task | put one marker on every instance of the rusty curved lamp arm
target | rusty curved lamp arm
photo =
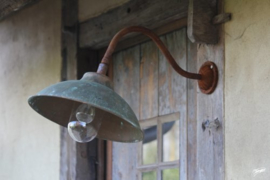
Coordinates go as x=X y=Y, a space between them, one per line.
x=207 y=76
x=107 y=57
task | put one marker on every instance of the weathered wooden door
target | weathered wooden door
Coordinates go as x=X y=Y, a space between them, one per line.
x=171 y=110
x=158 y=96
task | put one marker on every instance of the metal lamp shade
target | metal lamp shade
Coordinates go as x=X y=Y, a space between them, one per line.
x=57 y=102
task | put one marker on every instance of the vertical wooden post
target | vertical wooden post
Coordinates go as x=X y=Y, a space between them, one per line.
x=210 y=142
x=192 y=114
x=68 y=156
x=78 y=161
x=200 y=26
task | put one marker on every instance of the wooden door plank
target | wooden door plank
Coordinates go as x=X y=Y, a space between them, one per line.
x=126 y=76
x=98 y=31
x=126 y=82
x=192 y=113
x=173 y=89
x=149 y=81
x=172 y=86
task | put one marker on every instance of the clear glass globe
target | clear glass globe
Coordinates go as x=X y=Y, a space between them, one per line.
x=81 y=131
x=85 y=113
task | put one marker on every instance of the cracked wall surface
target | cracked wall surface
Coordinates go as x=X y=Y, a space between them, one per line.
x=247 y=90
x=30 y=59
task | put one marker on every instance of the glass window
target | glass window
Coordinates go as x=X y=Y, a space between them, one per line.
x=170 y=141
x=159 y=151
x=149 y=175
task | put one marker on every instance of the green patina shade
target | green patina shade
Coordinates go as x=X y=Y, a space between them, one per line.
x=58 y=101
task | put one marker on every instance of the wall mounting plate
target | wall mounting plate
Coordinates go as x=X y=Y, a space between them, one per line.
x=209 y=72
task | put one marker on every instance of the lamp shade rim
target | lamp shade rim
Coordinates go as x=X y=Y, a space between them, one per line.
x=57 y=101
x=31 y=98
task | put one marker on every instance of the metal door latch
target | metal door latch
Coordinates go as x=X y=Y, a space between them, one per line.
x=211 y=124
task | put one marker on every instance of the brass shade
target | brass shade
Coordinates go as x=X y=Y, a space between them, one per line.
x=57 y=102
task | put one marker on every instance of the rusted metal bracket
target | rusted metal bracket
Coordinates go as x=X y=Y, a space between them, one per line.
x=211 y=125
x=202 y=21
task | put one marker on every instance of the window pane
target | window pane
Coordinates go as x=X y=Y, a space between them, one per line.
x=170 y=141
x=150 y=145
x=152 y=175
x=170 y=174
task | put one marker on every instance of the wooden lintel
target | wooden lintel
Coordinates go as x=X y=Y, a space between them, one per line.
x=200 y=18
x=8 y=7
x=97 y=32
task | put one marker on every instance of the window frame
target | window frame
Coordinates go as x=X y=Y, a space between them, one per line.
x=159 y=165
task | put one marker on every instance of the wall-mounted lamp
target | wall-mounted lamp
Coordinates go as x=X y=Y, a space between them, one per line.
x=90 y=108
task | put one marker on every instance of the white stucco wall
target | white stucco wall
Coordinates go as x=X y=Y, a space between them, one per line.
x=30 y=60
x=92 y=8
x=247 y=90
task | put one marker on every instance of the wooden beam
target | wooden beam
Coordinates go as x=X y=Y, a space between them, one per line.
x=8 y=7
x=141 y=38
x=97 y=32
x=200 y=18
x=210 y=143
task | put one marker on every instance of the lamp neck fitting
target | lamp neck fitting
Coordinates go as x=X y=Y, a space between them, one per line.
x=97 y=78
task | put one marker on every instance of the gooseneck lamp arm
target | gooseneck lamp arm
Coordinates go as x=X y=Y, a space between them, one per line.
x=207 y=76
x=108 y=54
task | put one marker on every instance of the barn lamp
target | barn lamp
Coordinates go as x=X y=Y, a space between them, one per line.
x=90 y=108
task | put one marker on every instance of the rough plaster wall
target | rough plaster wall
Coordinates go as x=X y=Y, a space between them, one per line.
x=247 y=90
x=92 y=8
x=29 y=61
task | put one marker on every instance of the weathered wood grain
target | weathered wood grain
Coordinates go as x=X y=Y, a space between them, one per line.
x=86 y=160
x=162 y=92
x=192 y=113
x=200 y=18
x=68 y=150
x=172 y=86
x=98 y=31
x=140 y=38
x=173 y=89
x=149 y=80
x=109 y=159
x=100 y=159
x=68 y=158
x=210 y=143
x=126 y=81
